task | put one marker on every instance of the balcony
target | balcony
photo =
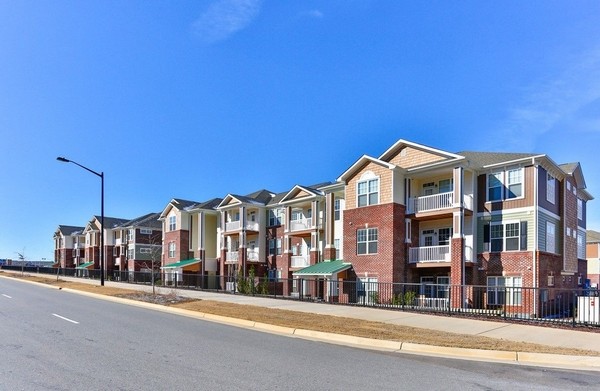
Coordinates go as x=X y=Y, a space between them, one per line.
x=232 y=256
x=437 y=254
x=300 y=261
x=253 y=256
x=236 y=225
x=436 y=202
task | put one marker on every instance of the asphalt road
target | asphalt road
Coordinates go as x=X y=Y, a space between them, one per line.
x=55 y=340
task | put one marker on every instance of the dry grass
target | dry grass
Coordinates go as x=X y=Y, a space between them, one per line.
x=326 y=323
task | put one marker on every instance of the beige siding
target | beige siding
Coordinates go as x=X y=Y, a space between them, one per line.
x=411 y=157
x=385 y=184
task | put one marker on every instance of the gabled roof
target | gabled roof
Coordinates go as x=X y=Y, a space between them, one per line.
x=67 y=230
x=297 y=189
x=259 y=198
x=481 y=160
x=592 y=236
x=574 y=169
x=364 y=159
x=109 y=222
x=149 y=220
x=178 y=204
x=277 y=198
x=400 y=144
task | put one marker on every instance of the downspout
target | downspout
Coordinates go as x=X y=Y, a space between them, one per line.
x=535 y=236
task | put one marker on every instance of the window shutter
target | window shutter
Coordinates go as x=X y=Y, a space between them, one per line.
x=523 y=235
x=486 y=237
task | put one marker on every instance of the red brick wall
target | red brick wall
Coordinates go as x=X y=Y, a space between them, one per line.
x=389 y=264
x=182 y=242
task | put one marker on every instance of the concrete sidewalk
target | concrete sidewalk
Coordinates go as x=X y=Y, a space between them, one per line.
x=564 y=338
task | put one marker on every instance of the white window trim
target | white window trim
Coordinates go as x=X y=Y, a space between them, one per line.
x=366 y=178
x=504 y=184
x=550 y=188
x=367 y=241
x=504 y=224
x=553 y=249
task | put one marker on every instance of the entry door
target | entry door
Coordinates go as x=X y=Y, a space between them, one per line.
x=428 y=238
x=367 y=291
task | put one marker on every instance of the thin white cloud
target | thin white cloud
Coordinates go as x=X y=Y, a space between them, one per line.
x=224 y=18
x=314 y=14
x=559 y=102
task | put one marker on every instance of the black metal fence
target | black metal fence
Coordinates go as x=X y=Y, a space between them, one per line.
x=575 y=307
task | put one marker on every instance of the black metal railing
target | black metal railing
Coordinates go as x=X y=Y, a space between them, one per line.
x=550 y=305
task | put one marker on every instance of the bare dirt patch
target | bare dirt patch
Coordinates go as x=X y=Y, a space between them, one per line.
x=325 y=323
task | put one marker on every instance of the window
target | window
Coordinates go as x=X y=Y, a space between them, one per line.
x=172 y=223
x=130 y=234
x=444 y=235
x=504 y=290
x=115 y=251
x=579 y=209
x=368 y=192
x=366 y=241
x=336 y=244
x=297 y=215
x=509 y=236
x=145 y=231
x=550 y=188
x=550 y=237
x=495 y=186
x=336 y=209
x=503 y=185
x=275 y=216
x=275 y=247
x=172 y=250
x=515 y=183
x=445 y=186
x=581 y=245
x=130 y=253
x=145 y=250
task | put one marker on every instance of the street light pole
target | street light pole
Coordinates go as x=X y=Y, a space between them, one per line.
x=101 y=175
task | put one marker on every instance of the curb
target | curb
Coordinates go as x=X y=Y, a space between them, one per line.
x=525 y=358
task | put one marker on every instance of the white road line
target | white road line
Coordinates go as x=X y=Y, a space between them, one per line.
x=67 y=319
x=7 y=296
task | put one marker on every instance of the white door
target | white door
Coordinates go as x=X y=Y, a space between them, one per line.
x=366 y=289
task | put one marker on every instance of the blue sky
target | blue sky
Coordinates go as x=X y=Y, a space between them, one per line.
x=197 y=99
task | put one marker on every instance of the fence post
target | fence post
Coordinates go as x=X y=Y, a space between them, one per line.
x=574 y=307
x=505 y=300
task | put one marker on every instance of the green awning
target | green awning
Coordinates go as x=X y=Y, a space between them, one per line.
x=326 y=268
x=85 y=265
x=187 y=262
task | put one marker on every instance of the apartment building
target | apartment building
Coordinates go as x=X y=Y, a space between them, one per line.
x=92 y=233
x=418 y=214
x=593 y=258
x=68 y=246
x=138 y=243
x=191 y=238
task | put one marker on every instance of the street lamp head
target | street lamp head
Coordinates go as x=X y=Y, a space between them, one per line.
x=62 y=159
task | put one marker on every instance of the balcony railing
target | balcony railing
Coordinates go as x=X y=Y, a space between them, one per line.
x=437 y=202
x=300 y=225
x=253 y=256
x=232 y=256
x=235 y=225
x=300 y=261
x=429 y=254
